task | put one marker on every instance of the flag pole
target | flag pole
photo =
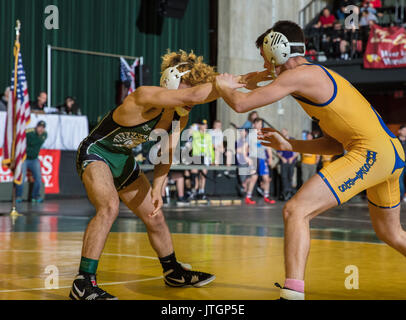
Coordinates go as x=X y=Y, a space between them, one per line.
x=14 y=213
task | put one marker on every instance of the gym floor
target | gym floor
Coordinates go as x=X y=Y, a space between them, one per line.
x=241 y=245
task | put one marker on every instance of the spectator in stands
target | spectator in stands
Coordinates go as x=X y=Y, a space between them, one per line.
x=39 y=105
x=309 y=163
x=322 y=30
x=179 y=180
x=4 y=99
x=368 y=17
x=35 y=139
x=70 y=107
x=219 y=150
x=246 y=170
x=203 y=154
x=340 y=44
x=185 y=148
x=372 y=3
x=217 y=139
x=264 y=163
x=251 y=117
x=341 y=5
x=326 y=19
x=402 y=139
x=311 y=53
x=288 y=162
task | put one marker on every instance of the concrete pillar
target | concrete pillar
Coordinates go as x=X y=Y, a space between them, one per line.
x=240 y=24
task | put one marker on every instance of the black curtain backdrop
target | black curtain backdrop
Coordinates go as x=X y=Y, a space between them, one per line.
x=95 y=25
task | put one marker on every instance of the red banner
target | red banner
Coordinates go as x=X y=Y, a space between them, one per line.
x=50 y=160
x=386 y=48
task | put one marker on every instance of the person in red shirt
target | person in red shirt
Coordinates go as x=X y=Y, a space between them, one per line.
x=326 y=20
x=322 y=30
x=373 y=3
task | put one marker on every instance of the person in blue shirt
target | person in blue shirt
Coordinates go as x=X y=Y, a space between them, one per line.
x=250 y=121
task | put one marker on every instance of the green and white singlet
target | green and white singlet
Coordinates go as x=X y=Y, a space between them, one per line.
x=113 y=144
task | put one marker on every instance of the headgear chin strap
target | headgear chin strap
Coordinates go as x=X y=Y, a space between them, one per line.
x=171 y=79
x=277 y=49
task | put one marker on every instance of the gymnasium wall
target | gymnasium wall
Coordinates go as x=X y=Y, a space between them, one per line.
x=94 y=25
x=240 y=24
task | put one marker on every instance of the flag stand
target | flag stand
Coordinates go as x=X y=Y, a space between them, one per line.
x=14 y=213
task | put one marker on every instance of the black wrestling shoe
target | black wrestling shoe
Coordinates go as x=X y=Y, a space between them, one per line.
x=183 y=277
x=85 y=288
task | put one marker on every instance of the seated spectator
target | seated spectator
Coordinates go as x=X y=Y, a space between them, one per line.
x=340 y=45
x=251 y=117
x=341 y=5
x=39 y=105
x=354 y=39
x=377 y=4
x=368 y=8
x=322 y=29
x=372 y=3
x=311 y=53
x=326 y=19
x=368 y=17
x=179 y=179
x=70 y=107
x=4 y=99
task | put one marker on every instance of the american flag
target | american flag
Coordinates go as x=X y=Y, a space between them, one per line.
x=18 y=115
x=127 y=73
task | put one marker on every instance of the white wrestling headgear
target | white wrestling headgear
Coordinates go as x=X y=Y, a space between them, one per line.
x=277 y=49
x=171 y=79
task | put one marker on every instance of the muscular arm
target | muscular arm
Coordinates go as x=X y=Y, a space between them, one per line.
x=322 y=146
x=325 y=145
x=241 y=102
x=164 y=98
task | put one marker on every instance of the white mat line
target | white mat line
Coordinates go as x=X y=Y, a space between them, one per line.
x=68 y=287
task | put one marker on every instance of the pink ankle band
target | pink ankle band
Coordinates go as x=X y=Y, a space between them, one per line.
x=293 y=284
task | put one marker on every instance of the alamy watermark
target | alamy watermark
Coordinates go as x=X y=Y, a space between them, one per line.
x=52 y=19
x=51 y=281
x=352 y=281
x=186 y=151
x=352 y=20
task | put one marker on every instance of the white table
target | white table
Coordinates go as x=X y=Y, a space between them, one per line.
x=64 y=132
